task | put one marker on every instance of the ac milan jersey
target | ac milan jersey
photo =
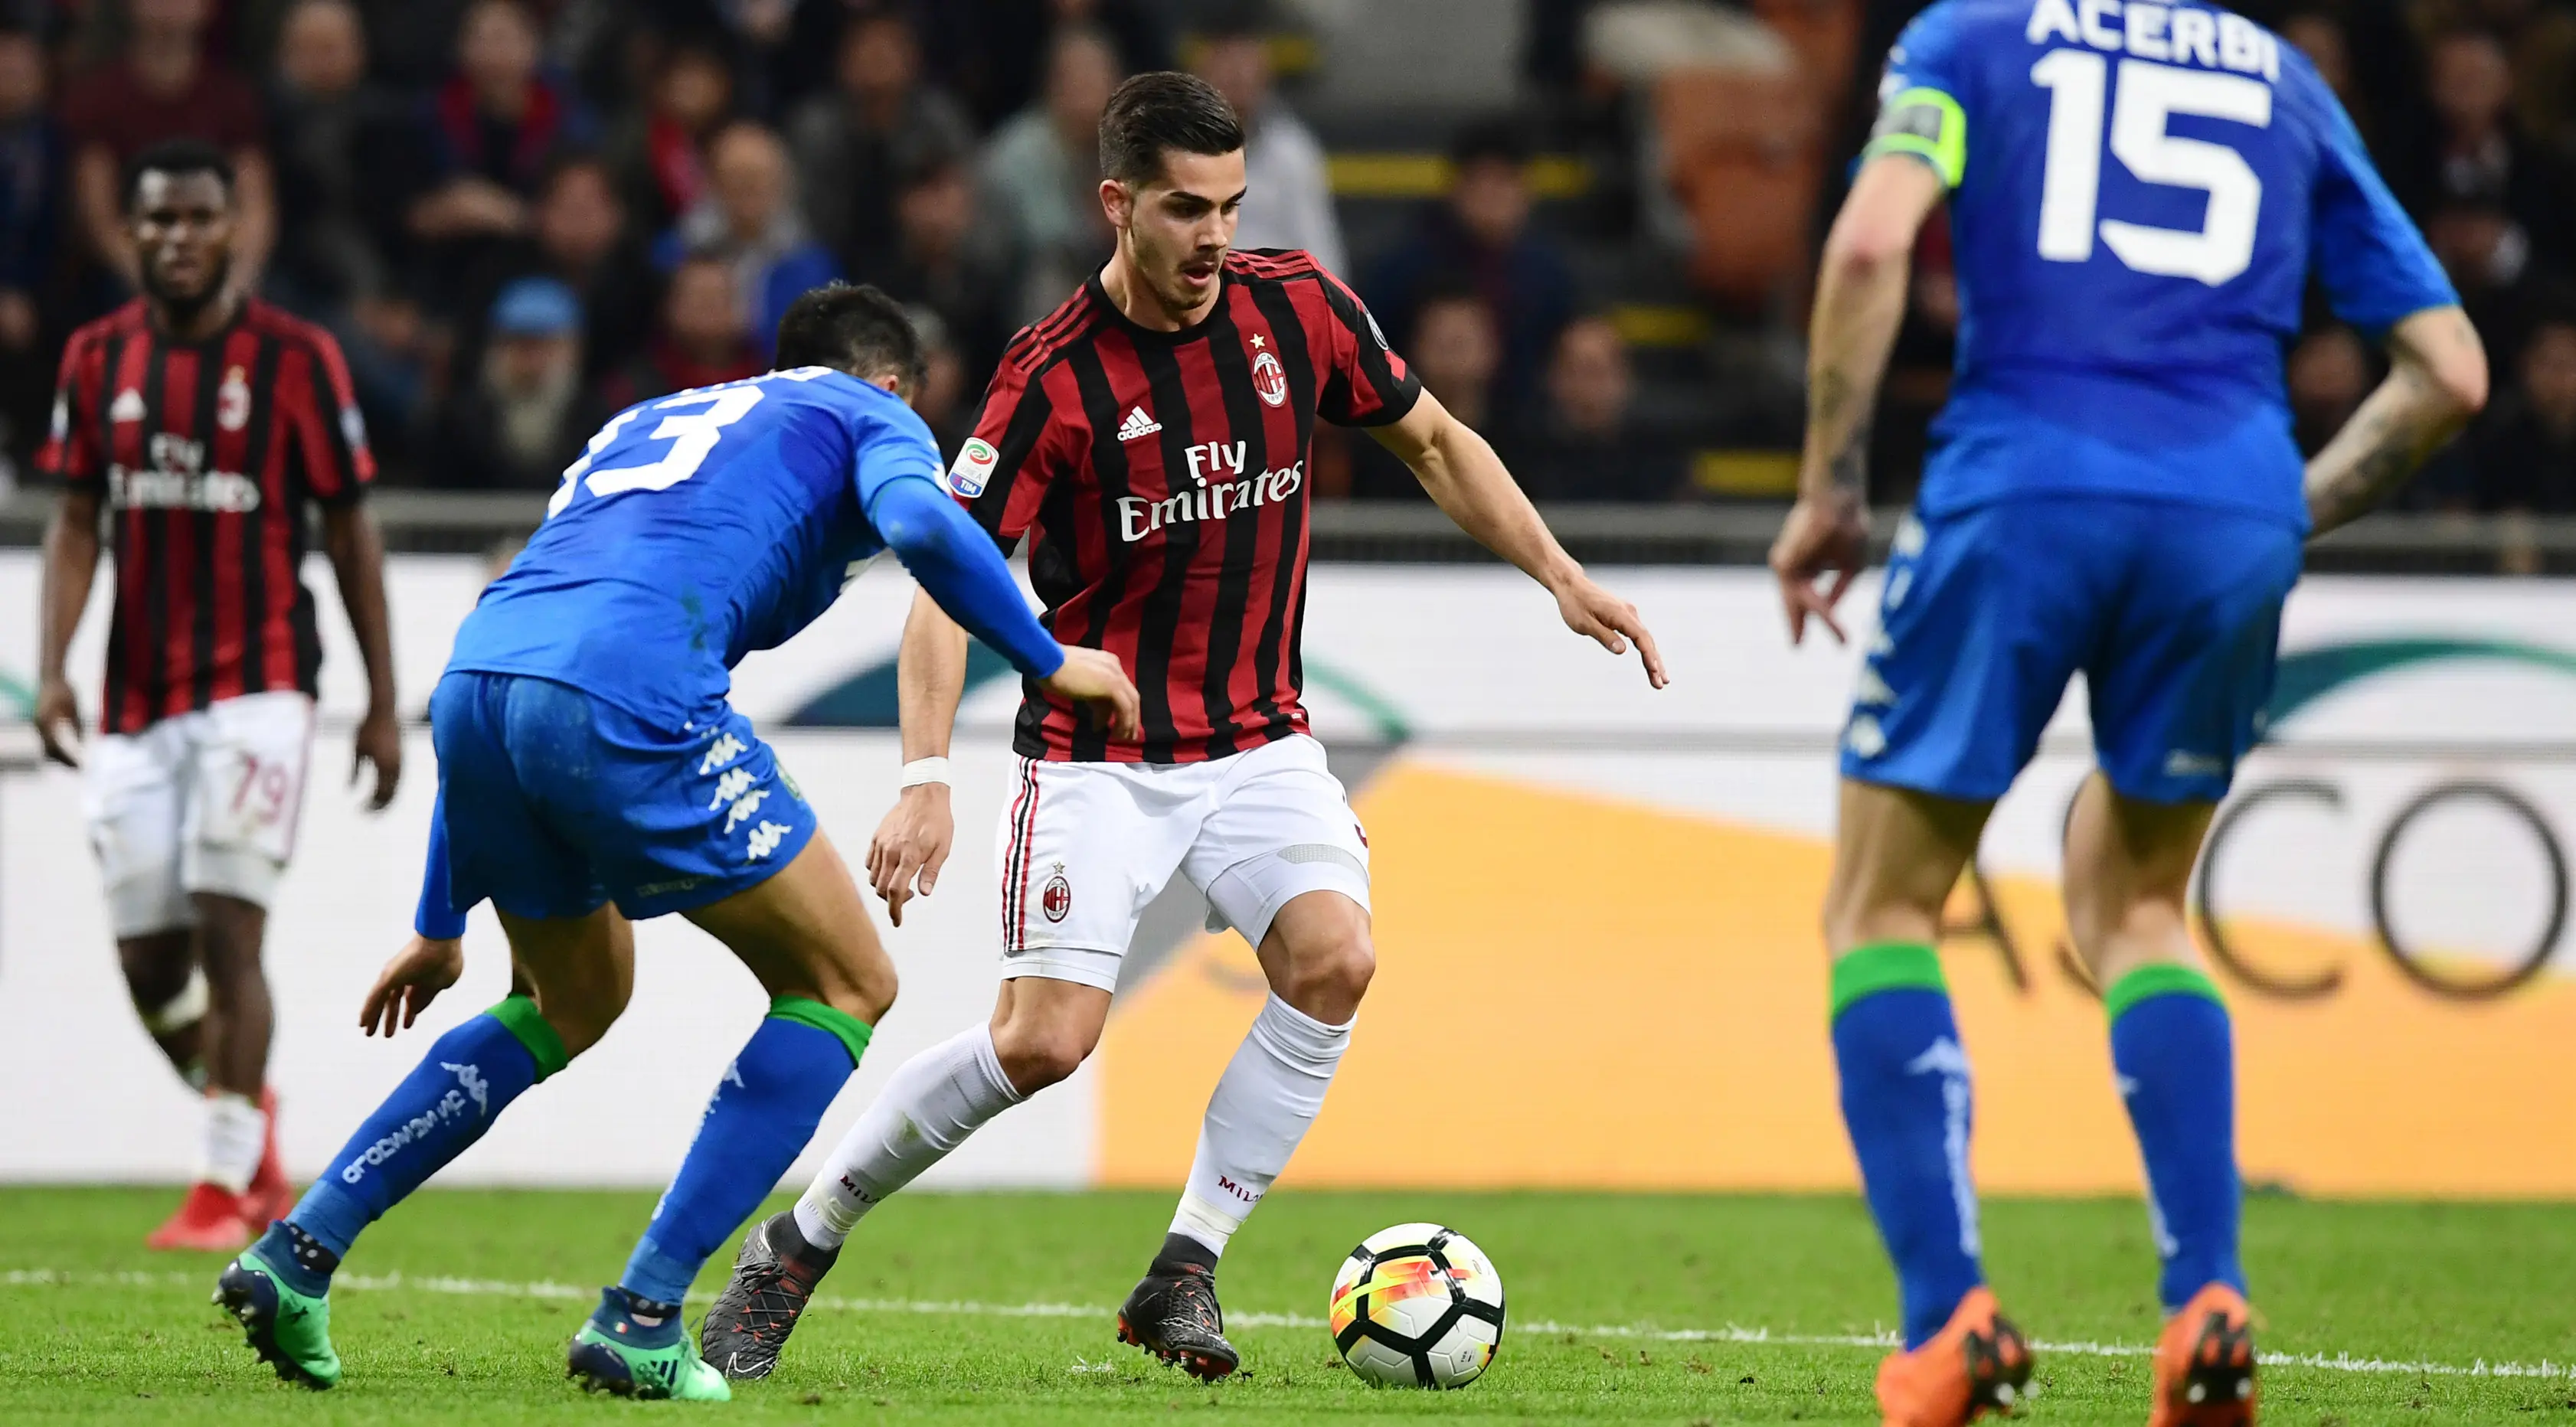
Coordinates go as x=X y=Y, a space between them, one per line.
x=1165 y=476
x=205 y=453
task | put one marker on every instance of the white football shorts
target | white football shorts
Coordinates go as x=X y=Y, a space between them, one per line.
x=205 y=801
x=1086 y=846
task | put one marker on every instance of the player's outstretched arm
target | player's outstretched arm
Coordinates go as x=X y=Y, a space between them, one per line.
x=2437 y=380
x=911 y=844
x=71 y=564
x=1471 y=486
x=964 y=586
x=357 y=551
x=434 y=958
x=1860 y=300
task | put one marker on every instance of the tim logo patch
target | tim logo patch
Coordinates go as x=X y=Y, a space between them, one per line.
x=974 y=468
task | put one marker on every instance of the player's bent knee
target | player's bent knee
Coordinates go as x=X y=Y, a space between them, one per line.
x=1034 y=1058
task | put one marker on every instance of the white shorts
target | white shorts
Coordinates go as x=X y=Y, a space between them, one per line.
x=1086 y=846
x=205 y=801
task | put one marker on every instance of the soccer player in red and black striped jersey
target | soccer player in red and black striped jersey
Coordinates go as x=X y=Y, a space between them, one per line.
x=1153 y=436
x=201 y=421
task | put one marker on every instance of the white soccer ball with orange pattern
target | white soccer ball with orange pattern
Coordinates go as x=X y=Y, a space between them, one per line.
x=1417 y=1306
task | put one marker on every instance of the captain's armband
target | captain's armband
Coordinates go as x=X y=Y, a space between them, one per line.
x=1926 y=123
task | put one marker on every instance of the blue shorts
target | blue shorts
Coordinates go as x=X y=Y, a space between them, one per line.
x=558 y=801
x=2172 y=612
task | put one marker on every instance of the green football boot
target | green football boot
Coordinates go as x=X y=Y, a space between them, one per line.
x=290 y=1331
x=618 y=1353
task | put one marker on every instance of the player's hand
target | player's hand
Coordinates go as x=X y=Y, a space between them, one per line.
x=379 y=743
x=1597 y=614
x=1093 y=676
x=57 y=715
x=409 y=983
x=911 y=846
x=1818 y=555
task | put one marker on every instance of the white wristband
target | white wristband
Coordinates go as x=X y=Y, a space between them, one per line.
x=925 y=770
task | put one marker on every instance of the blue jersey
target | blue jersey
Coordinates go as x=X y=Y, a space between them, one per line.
x=2140 y=193
x=696 y=529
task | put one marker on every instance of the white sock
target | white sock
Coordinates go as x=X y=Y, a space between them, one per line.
x=1267 y=1097
x=236 y=1136
x=935 y=1100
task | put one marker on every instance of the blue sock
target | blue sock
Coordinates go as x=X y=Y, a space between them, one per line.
x=445 y=1104
x=764 y=1110
x=1906 y=1101
x=2177 y=1066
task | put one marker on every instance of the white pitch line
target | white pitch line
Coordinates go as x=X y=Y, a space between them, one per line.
x=970 y=1308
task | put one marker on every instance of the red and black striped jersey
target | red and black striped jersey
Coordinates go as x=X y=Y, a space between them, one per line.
x=1165 y=475
x=205 y=454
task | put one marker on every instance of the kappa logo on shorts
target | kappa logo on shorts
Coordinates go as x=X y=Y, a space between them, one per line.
x=727 y=748
x=1057 y=900
x=766 y=837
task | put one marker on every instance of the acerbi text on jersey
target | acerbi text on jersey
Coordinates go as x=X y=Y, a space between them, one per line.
x=1214 y=497
x=2177 y=34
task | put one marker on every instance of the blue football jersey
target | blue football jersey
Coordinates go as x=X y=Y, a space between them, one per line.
x=2139 y=195
x=696 y=529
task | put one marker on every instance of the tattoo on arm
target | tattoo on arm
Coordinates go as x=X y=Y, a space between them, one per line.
x=1843 y=414
x=2370 y=458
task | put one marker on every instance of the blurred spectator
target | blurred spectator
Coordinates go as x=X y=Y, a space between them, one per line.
x=2329 y=373
x=946 y=391
x=1289 y=199
x=1483 y=235
x=1457 y=351
x=946 y=262
x=996 y=54
x=1587 y=443
x=702 y=340
x=750 y=222
x=579 y=235
x=661 y=149
x=498 y=121
x=524 y=418
x=2489 y=259
x=1041 y=178
x=877 y=122
x=163 y=87
x=2524 y=452
x=351 y=160
x=411 y=42
x=2483 y=157
x=31 y=218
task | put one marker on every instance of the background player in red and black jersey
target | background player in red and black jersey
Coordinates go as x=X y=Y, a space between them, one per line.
x=201 y=422
x=1154 y=435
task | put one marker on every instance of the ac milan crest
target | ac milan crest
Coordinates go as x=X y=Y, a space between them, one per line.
x=1269 y=378
x=1057 y=900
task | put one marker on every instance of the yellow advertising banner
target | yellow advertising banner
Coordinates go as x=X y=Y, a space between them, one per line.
x=1574 y=990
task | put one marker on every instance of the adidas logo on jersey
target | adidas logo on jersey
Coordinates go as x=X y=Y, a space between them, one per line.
x=1138 y=425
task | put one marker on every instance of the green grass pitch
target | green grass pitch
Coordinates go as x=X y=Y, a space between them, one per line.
x=996 y=1309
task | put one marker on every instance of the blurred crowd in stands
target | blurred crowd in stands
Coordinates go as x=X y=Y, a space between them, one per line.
x=521 y=215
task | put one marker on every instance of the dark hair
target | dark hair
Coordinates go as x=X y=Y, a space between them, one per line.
x=1163 y=110
x=176 y=157
x=1501 y=139
x=854 y=329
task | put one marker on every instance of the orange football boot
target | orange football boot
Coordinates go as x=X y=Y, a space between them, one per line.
x=1978 y=1363
x=2205 y=1363
x=269 y=1196
x=209 y=1219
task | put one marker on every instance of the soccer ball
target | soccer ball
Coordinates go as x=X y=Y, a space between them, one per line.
x=1417 y=1306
